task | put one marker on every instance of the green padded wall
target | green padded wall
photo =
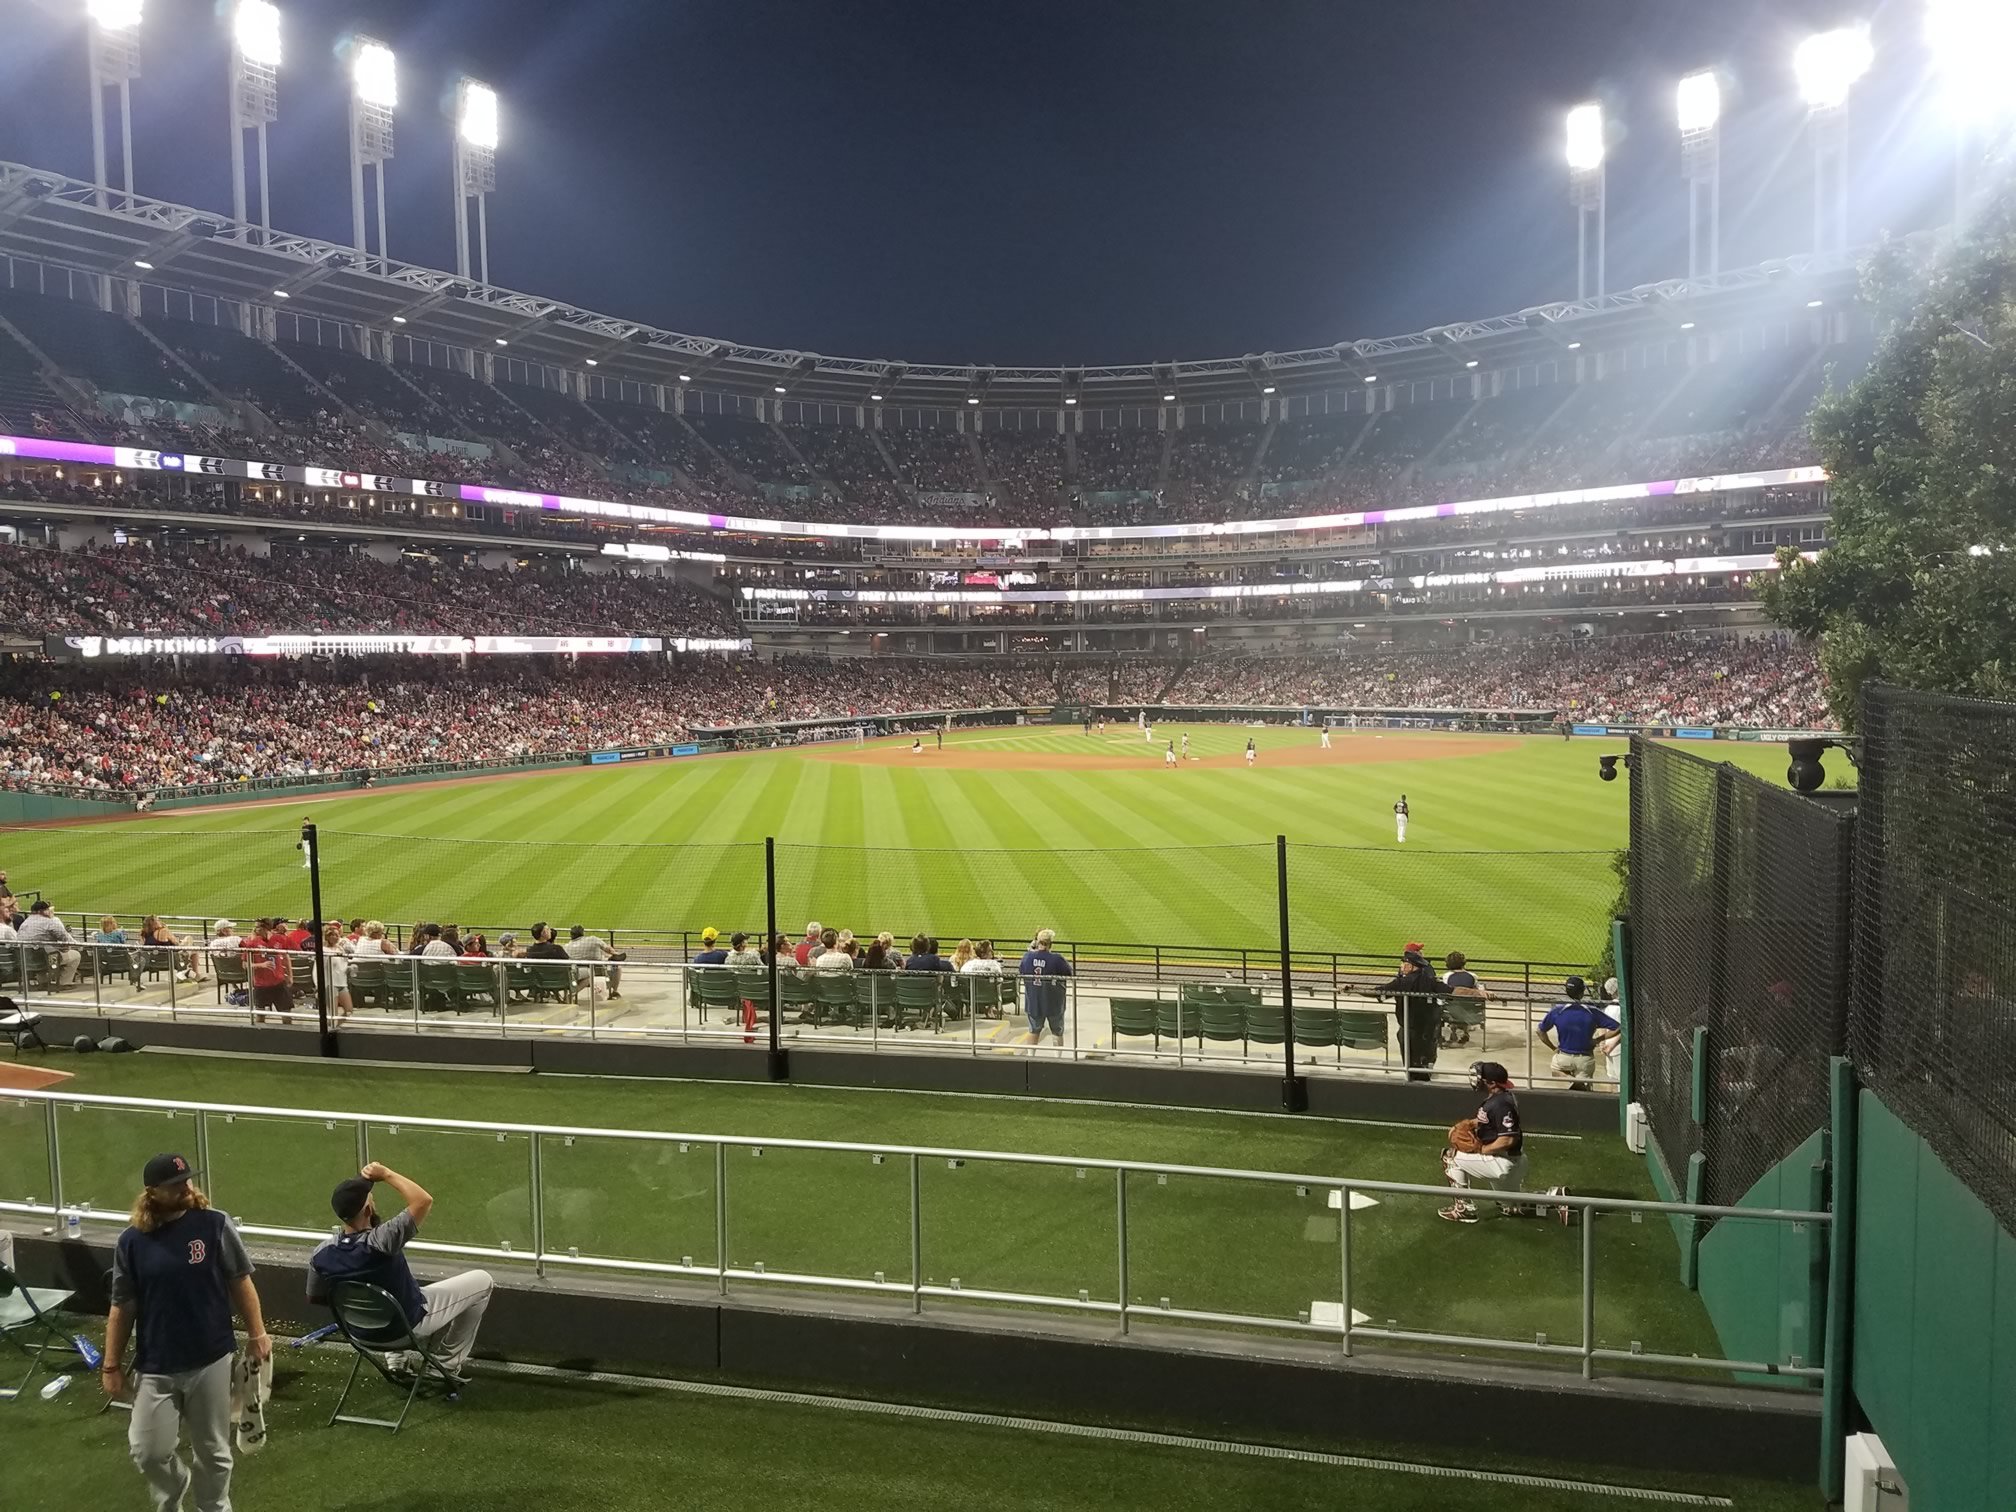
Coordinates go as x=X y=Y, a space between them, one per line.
x=1757 y=1279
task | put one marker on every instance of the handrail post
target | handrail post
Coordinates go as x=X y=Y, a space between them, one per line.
x=780 y=1065
x=203 y=1150
x=1344 y=1260
x=721 y=1214
x=1120 y=1236
x=538 y=1211
x=55 y=1158
x=313 y=847
x=1588 y=1295
x=916 y=1236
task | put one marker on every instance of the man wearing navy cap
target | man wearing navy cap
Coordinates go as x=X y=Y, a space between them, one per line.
x=180 y=1270
x=448 y=1312
x=1576 y=1030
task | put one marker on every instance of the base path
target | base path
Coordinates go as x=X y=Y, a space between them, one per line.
x=1359 y=750
x=15 y=1077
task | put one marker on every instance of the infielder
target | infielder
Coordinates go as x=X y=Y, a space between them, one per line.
x=1400 y=820
x=1326 y=735
x=1186 y=745
x=1169 y=755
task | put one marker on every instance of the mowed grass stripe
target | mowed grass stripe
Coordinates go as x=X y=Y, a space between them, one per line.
x=1243 y=871
x=1019 y=886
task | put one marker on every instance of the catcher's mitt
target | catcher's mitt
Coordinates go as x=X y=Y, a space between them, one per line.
x=1463 y=1137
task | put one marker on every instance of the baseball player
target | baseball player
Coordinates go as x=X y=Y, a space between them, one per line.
x=1250 y=752
x=1186 y=745
x=1326 y=734
x=1169 y=755
x=1147 y=729
x=1500 y=1159
x=1580 y=1033
x=1400 y=820
x=917 y=747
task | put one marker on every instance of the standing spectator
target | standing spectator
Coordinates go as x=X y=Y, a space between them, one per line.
x=1043 y=971
x=1577 y=1030
x=1417 y=994
x=181 y=1269
x=582 y=946
x=371 y=1251
x=336 y=962
x=43 y=928
x=272 y=976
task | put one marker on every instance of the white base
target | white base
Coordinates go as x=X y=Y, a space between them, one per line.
x=1331 y=1315
x=1358 y=1201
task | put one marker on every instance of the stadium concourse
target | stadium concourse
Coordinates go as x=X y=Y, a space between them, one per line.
x=151 y=726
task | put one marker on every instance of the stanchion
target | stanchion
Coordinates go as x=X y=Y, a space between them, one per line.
x=1294 y=1089
x=780 y=1063
x=314 y=850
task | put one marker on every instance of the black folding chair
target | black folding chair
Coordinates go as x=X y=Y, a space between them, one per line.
x=375 y=1325
x=24 y=1311
x=22 y=1028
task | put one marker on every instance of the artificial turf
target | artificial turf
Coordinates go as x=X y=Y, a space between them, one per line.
x=1204 y=1244
x=578 y=1446
x=1507 y=856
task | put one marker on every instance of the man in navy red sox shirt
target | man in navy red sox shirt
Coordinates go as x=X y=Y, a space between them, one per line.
x=1500 y=1160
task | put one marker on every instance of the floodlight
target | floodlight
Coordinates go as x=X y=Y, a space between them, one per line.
x=1371 y=377
x=1828 y=64
x=282 y=294
x=1574 y=346
x=876 y=397
x=116 y=15
x=1072 y=400
x=685 y=377
x=398 y=320
x=1972 y=42
x=778 y=388
x=255 y=26
x=1268 y=389
x=500 y=341
x=1471 y=363
x=1168 y=398
x=141 y=262
x=478 y=124
x=1700 y=101
x=1814 y=304
x=1585 y=138
x=374 y=73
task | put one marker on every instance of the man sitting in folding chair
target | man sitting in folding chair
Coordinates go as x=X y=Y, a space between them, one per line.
x=443 y=1317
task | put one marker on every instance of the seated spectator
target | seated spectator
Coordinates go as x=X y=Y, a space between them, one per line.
x=154 y=935
x=835 y=956
x=44 y=929
x=961 y=954
x=372 y=944
x=924 y=956
x=739 y=953
x=711 y=953
x=983 y=962
x=108 y=932
x=544 y=947
x=446 y=1314
x=224 y=940
x=474 y=947
x=507 y=945
x=433 y=946
x=881 y=954
x=809 y=947
x=582 y=946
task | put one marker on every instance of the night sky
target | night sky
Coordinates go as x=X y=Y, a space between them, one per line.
x=1023 y=182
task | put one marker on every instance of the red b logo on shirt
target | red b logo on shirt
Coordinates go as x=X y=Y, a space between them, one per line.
x=196 y=1252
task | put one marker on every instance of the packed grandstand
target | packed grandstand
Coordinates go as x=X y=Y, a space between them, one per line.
x=1573 y=538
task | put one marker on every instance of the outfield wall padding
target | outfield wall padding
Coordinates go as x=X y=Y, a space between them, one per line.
x=1344 y=1097
x=1241 y=1387
x=1935 y=1321
x=1757 y=1279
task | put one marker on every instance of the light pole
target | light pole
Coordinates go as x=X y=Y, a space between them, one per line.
x=115 y=60
x=1699 y=103
x=1827 y=65
x=475 y=169
x=255 y=96
x=1972 y=42
x=374 y=92
x=1586 y=191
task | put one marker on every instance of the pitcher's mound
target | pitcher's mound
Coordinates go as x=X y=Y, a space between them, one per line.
x=16 y=1077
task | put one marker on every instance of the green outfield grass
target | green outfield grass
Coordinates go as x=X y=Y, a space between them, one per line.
x=1507 y=856
x=1202 y=1243
x=580 y=1446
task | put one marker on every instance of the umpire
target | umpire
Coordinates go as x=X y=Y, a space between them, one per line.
x=1417 y=993
x=183 y=1269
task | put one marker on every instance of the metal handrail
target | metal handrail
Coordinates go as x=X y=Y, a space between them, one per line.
x=917 y=1288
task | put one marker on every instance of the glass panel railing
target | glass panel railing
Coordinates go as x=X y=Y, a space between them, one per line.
x=481 y=1181
x=24 y=1151
x=628 y=1200
x=1227 y=1247
x=981 y=1220
x=278 y=1172
x=834 y=1213
x=104 y=1149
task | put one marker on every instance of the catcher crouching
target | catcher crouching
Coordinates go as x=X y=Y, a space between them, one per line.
x=1488 y=1148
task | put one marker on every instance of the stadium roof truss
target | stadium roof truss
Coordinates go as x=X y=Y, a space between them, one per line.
x=49 y=218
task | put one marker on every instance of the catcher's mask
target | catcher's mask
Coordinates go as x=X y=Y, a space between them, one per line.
x=1484 y=1075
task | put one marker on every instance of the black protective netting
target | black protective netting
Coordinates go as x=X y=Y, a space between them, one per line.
x=1739 y=926
x=1933 y=1023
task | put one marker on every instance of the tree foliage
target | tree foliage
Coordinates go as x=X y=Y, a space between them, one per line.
x=1919 y=587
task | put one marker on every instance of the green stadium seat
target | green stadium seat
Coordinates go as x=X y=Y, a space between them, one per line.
x=1316 y=1026
x=986 y=994
x=834 y=993
x=1134 y=1018
x=752 y=985
x=796 y=995
x=1222 y=1022
x=1460 y=1015
x=874 y=998
x=919 y=998
x=1176 y=1019
x=111 y=962
x=476 y=984
x=228 y=972
x=438 y=986
x=1263 y=1023
x=1362 y=1029
x=715 y=987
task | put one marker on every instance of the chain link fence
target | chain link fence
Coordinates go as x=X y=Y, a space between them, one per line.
x=1740 y=934
x=1933 y=1018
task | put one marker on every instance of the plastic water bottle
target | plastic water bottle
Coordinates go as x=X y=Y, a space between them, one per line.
x=54 y=1387
x=73 y=1224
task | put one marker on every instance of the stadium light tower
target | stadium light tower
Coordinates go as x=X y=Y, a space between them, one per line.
x=1699 y=102
x=1972 y=42
x=255 y=95
x=1827 y=65
x=475 y=169
x=374 y=93
x=1585 y=190
x=115 y=60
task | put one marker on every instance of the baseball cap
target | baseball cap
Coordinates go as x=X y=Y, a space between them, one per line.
x=1574 y=986
x=40 y=905
x=709 y=935
x=349 y=1197
x=1412 y=946
x=166 y=1170
x=1491 y=1071
x=225 y=926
